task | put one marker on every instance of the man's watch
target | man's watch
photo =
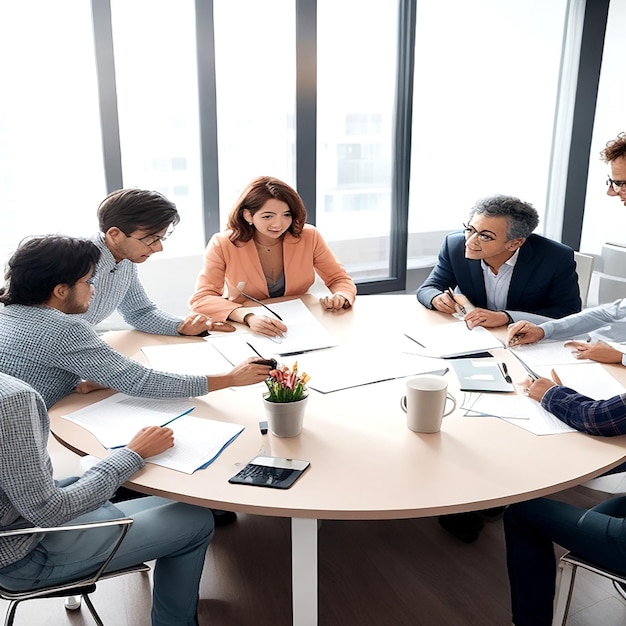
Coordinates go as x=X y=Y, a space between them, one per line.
x=511 y=320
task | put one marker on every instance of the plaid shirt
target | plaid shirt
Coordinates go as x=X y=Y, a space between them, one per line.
x=595 y=417
x=117 y=287
x=52 y=351
x=28 y=494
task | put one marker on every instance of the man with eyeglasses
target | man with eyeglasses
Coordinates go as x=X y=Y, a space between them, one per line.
x=531 y=528
x=134 y=223
x=606 y=322
x=504 y=270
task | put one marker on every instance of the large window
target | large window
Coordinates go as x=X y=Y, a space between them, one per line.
x=486 y=75
x=51 y=168
x=356 y=90
x=486 y=79
x=255 y=70
x=156 y=75
x=603 y=213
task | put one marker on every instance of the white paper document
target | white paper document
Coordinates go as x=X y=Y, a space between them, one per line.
x=547 y=353
x=448 y=340
x=516 y=409
x=340 y=368
x=304 y=333
x=197 y=443
x=197 y=358
x=590 y=379
x=115 y=420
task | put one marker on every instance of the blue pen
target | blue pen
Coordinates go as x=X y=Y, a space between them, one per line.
x=175 y=418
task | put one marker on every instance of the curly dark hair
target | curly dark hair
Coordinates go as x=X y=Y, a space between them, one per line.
x=254 y=196
x=41 y=263
x=614 y=149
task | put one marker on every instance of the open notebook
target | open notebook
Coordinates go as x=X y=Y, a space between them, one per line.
x=197 y=441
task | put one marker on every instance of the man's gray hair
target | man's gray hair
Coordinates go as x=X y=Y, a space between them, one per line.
x=523 y=217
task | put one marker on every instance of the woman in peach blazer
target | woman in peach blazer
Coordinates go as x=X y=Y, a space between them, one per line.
x=267 y=246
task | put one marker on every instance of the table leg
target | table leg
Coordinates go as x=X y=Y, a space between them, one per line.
x=304 y=571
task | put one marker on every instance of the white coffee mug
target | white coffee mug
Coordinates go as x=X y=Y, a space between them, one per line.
x=425 y=402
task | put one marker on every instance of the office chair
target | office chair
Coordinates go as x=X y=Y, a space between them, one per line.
x=584 y=269
x=568 y=564
x=81 y=587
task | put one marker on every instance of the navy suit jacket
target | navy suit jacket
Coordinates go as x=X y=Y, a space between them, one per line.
x=544 y=279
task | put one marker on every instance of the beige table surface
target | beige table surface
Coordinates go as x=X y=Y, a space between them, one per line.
x=365 y=463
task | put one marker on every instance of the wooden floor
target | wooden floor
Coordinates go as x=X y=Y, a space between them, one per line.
x=404 y=573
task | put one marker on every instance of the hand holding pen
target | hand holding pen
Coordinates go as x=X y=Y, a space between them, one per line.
x=536 y=388
x=446 y=302
x=458 y=307
x=265 y=325
x=523 y=332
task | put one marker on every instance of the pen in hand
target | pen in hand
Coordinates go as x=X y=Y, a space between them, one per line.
x=459 y=306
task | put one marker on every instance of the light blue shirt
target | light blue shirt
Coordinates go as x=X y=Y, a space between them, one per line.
x=117 y=287
x=28 y=493
x=606 y=322
x=497 y=285
x=52 y=351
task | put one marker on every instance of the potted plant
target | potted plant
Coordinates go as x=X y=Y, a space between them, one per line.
x=286 y=400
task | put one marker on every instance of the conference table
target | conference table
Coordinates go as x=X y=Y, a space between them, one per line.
x=365 y=463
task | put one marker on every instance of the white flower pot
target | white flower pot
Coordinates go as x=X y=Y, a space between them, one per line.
x=285 y=418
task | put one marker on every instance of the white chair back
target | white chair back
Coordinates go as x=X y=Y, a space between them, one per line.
x=584 y=269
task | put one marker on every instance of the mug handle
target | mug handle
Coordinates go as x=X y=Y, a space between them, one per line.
x=450 y=397
x=403 y=403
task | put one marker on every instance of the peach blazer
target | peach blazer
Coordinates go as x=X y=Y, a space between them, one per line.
x=226 y=265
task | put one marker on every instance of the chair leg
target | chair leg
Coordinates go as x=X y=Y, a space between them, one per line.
x=565 y=585
x=10 y=616
x=92 y=610
x=72 y=603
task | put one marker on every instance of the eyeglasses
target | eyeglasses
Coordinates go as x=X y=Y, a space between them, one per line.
x=617 y=185
x=151 y=240
x=483 y=236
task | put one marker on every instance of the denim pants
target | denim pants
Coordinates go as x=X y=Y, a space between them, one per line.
x=530 y=529
x=175 y=534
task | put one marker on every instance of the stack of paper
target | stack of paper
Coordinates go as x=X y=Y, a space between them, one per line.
x=198 y=358
x=304 y=331
x=197 y=441
x=449 y=340
x=590 y=379
x=520 y=410
x=341 y=368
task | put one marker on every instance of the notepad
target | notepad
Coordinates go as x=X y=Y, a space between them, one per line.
x=304 y=331
x=115 y=420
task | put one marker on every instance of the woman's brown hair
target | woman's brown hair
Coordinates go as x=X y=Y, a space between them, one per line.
x=254 y=197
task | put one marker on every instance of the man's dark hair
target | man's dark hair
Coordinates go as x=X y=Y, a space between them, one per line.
x=523 y=217
x=42 y=263
x=614 y=149
x=137 y=209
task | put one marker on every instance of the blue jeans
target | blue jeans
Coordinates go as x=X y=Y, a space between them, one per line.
x=175 y=534
x=530 y=529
